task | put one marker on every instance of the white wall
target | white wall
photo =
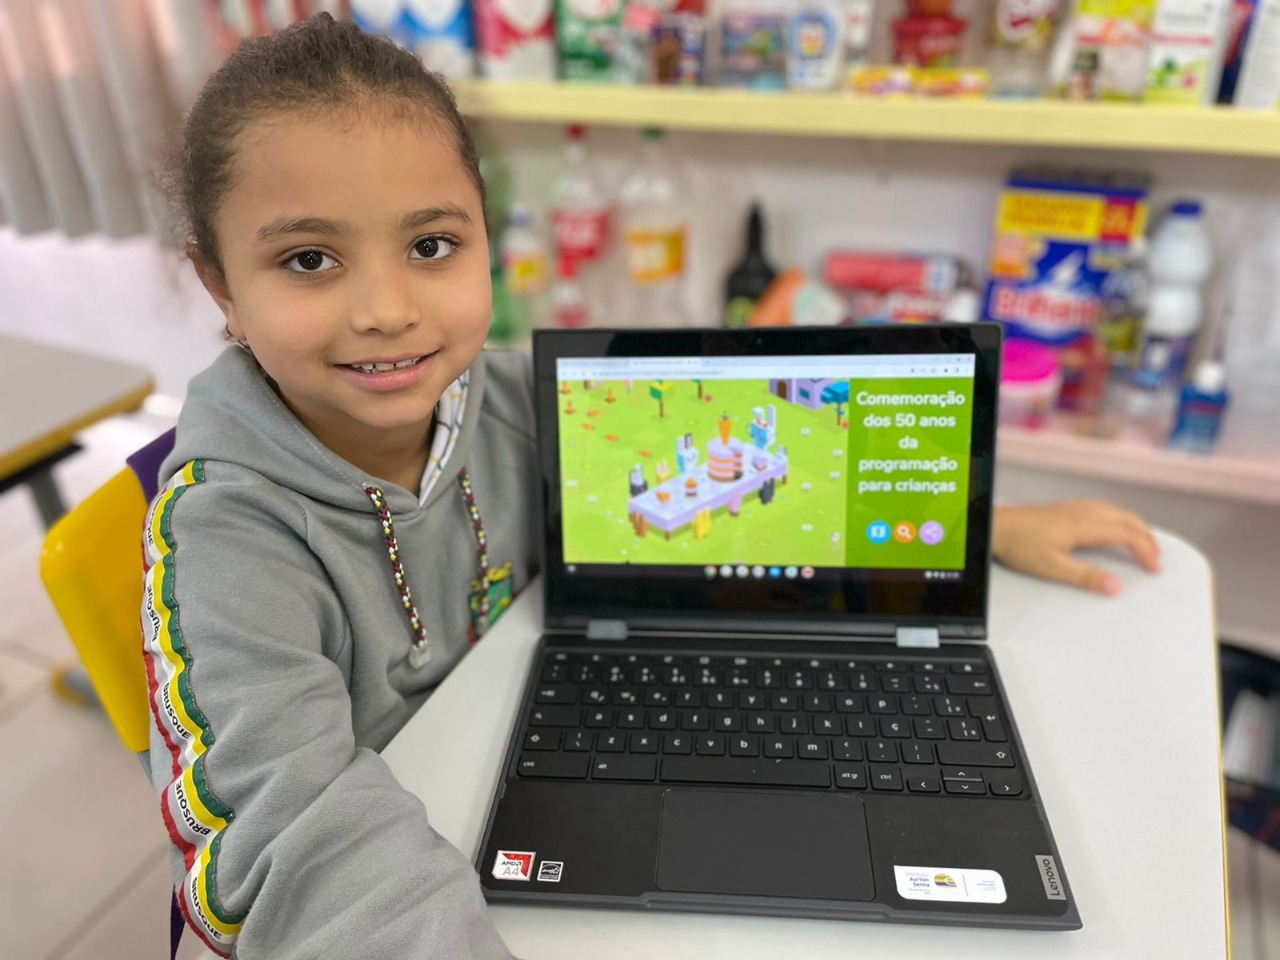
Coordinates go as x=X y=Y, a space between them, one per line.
x=132 y=299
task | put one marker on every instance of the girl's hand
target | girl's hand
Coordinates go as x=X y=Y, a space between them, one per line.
x=1040 y=540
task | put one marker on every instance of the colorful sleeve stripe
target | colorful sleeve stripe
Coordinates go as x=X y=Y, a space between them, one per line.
x=194 y=816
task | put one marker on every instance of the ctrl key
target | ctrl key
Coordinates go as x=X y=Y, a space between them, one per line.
x=558 y=766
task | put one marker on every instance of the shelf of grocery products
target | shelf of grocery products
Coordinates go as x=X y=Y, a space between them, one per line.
x=1109 y=126
x=1134 y=456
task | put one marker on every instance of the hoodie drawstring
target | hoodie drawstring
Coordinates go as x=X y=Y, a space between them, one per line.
x=420 y=652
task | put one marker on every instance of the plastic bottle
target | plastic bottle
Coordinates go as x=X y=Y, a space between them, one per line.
x=1179 y=264
x=569 y=307
x=815 y=45
x=524 y=271
x=653 y=208
x=1252 y=341
x=1204 y=400
x=748 y=281
x=582 y=224
x=1021 y=40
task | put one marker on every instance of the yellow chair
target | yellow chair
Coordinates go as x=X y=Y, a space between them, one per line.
x=92 y=569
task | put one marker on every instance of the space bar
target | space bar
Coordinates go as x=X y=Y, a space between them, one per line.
x=763 y=771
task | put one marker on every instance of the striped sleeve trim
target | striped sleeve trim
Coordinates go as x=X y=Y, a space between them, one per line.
x=193 y=814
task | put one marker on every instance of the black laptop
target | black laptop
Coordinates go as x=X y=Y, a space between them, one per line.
x=763 y=686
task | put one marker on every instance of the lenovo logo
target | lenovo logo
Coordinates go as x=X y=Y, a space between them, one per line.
x=1051 y=878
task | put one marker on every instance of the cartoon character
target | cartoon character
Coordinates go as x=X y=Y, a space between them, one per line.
x=686 y=454
x=638 y=483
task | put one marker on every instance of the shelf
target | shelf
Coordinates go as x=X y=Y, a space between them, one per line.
x=1108 y=126
x=1134 y=457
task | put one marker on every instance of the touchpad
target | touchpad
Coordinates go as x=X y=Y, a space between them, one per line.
x=765 y=845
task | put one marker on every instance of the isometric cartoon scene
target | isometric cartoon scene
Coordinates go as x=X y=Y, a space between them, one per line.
x=705 y=472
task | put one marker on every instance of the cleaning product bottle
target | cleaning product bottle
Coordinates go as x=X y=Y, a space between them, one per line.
x=1021 y=38
x=1204 y=400
x=1179 y=264
x=653 y=207
x=1252 y=339
x=582 y=224
x=748 y=281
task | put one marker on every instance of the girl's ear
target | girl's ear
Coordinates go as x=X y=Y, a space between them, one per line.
x=216 y=283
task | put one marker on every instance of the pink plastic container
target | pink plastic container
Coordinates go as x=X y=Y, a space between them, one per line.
x=1030 y=379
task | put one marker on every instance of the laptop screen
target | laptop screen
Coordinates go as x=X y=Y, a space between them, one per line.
x=752 y=471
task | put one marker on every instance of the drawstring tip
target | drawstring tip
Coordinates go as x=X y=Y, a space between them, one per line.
x=419 y=657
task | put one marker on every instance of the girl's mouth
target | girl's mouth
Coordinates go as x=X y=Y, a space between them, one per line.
x=382 y=367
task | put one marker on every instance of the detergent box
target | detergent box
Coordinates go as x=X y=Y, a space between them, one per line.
x=1059 y=236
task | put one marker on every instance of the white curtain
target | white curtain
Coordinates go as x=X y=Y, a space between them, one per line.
x=89 y=92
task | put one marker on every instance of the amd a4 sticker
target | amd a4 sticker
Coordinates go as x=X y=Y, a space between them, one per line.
x=513 y=865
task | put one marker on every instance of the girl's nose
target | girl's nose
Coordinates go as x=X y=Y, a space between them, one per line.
x=383 y=302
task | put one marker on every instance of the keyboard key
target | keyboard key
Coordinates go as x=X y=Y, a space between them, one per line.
x=762 y=772
x=827 y=726
x=644 y=743
x=860 y=726
x=626 y=697
x=695 y=720
x=709 y=745
x=689 y=698
x=950 y=706
x=972 y=787
x=624 y=768
x=962 y=773
x=564 y=766
x=882 y=751
x=1004 y=784
x=893 y=666
x=728 y=722
x=595 y=696
x=895 y=727
x=993 y=729
x=885 y=778
x=680 y=743
x=851 y=703
x=896 y=683
x=914 y=751
x=884 y=704
x=929 y=728
x=963 y=728
x=851 y=777
x=784 y=700
x=720 y=699
x=631 y=719
x=930 y=683
x=555 y=716
x=846 y=749
x=559 y=693
x=579 y=741
x=779 y=747
x=662 y=719
x=599 y=718
x=760 y=722
x=969 y=666
x=926 y=784
x=975 y=754
x=793 y=723
x=657 y=698
x=811 y=748
x=817 y=702
x=916 y=706
x=542 y=740
x=611 y=742
x=863 y=681
x=744 y=746
x=752 y=700
x=968 y=685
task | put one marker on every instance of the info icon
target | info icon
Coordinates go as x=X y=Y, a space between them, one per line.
x=879 y=531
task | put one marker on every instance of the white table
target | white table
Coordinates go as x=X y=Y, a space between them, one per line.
x=1117 y=704
x=48 y=394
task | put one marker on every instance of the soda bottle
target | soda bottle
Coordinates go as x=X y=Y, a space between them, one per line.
x=653 y=206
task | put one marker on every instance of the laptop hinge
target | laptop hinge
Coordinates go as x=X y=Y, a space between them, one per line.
x=919 y=637
x=606 y=629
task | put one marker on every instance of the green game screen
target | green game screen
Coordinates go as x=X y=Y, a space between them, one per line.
x=869 y=469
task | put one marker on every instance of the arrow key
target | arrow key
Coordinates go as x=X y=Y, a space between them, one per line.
x=1005 y=784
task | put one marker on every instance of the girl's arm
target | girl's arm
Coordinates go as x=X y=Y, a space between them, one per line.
x=288 y=839
x=1041 y=540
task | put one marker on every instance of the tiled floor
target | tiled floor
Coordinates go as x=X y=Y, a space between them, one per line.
x=82 y=868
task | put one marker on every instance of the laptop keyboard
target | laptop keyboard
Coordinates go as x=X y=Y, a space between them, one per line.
x=911 y=724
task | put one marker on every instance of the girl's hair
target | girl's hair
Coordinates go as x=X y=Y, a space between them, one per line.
x=313 y=67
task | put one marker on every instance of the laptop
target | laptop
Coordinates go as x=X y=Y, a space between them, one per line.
x=763 y=686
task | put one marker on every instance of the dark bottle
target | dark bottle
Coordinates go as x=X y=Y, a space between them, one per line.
x=748 y=281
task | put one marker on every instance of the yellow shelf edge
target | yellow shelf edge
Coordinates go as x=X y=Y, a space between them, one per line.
x=1106 y=126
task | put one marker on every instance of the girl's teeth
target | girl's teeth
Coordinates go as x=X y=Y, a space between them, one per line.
x=384 y=367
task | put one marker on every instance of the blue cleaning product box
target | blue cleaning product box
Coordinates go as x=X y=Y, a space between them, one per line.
x=1060 y=235
x=442 y=33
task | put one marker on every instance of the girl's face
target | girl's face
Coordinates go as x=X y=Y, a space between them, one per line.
x=356 y=266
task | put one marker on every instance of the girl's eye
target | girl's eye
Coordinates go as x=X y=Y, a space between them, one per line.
x=433 y=248
x=310 y=261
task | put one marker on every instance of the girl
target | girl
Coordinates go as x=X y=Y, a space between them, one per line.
x=345 y=487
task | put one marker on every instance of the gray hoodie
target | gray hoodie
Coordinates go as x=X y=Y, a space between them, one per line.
x=277 y=646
